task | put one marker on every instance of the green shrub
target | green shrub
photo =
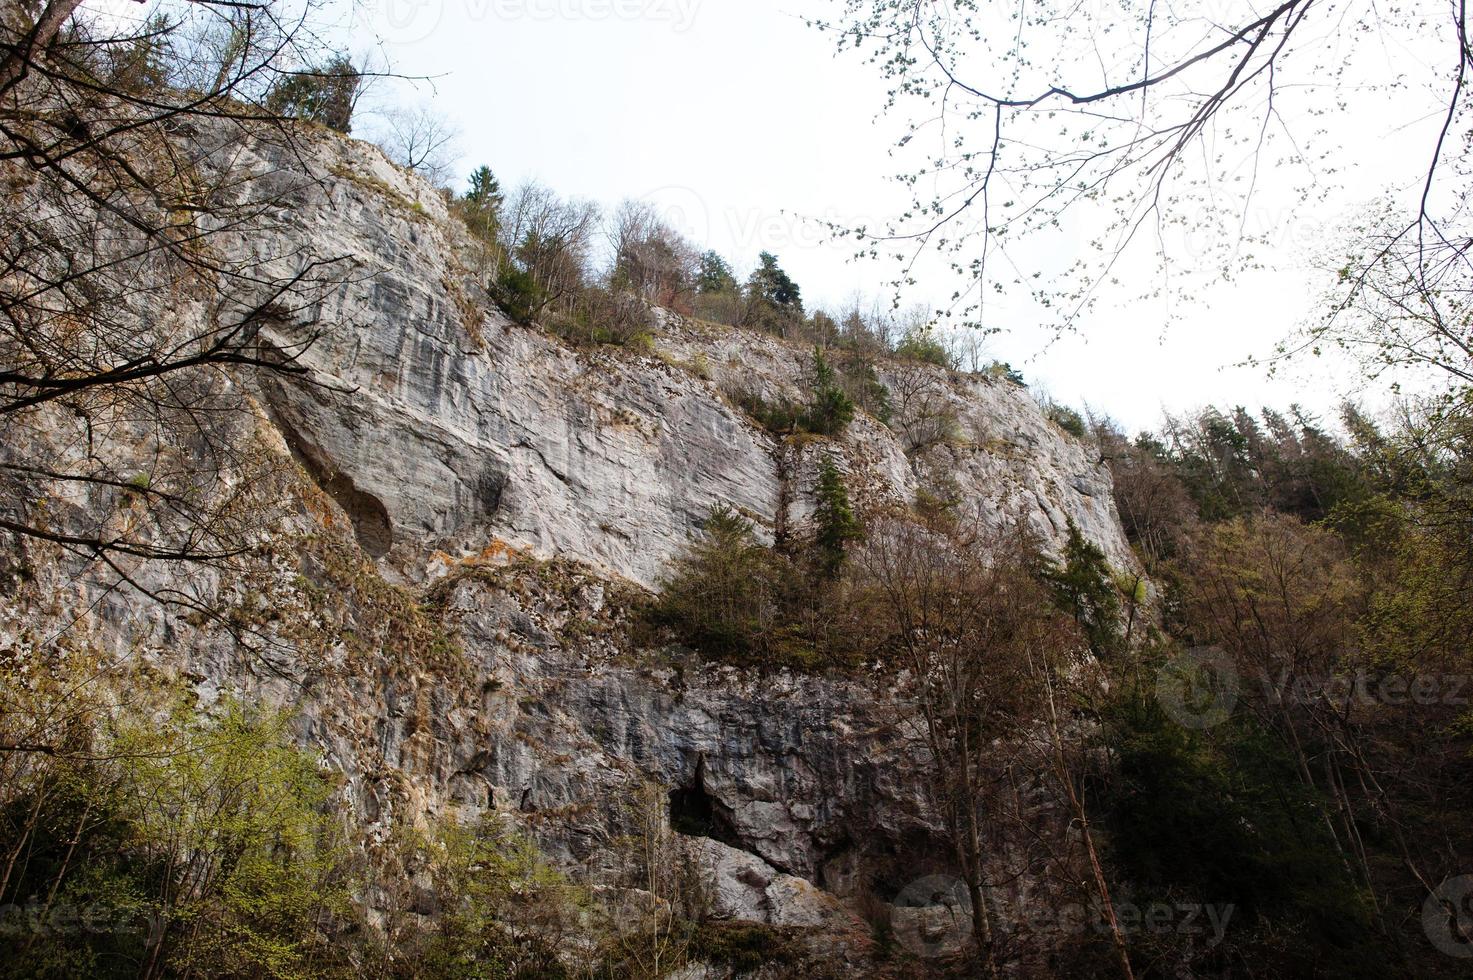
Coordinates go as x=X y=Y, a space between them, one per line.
x=714 y=276
x=480 y=206
x=726 y=308
x=1223 y=817
x=605 y=316
x=923 y=345
x=1067 y=419
x=324 y=95
x=205 y=843
x=778 y=416
x=502 y=907
x=724 y=594
x=1005 y=371
x=1084 y=587
x=516 y=292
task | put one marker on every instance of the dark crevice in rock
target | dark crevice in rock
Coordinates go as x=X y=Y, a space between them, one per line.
x=490 y=488
x=696 y=813
x=371 y=524
x=895 y=864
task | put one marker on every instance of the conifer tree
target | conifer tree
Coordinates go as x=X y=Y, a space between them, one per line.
x=837 y=525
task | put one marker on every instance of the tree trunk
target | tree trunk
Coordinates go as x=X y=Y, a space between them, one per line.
x=14 y=67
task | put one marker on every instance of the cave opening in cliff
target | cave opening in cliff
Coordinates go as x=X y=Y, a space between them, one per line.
x=695 y=813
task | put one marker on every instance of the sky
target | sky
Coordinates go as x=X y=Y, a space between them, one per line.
x=742 y=125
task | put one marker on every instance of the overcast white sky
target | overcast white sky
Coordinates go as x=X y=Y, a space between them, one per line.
x=741 y=122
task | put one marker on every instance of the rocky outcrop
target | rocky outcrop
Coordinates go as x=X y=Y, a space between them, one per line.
x=423 y=399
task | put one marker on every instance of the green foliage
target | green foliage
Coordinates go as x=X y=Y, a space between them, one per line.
x=1222 y=818
x=1067 y=419
x=1005 y=371
x=501 y=906
x=481 y=205
x=605 y=316
x=518 y=295
x=203 y=842
x=770 y=284
x=724 y=595
x=715 y=275
x=1231 y=464
x=731 y=598
x=831 y=408
x=837 y=525
x=484 y=190
x=144 y=63
x=1084 y=588
x=827 y=412
x=773 y=301
x=777 y=416
x=323 y=95
x=923 y=345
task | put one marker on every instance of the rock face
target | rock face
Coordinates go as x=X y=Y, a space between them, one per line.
x=438 y=425
x=447 y=438
x=802 y=773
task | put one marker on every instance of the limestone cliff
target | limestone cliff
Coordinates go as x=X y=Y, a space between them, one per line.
x=444 y=426
x=515 y=495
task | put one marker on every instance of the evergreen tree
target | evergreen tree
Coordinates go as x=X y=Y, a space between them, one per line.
x=837 y=525
x=482 y=204
x=831 y=408
x=715 y=275
x=485 y=189
x=323 y=95
x=773 y=301
x=770 y=284
x=1083 y=589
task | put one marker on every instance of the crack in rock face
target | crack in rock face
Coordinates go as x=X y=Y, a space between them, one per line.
x=370 y=518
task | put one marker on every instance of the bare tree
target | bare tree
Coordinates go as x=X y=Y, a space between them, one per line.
x=551 y=239
x=651 y=258
x=922 y=409
x=1140 y=120
x=129 y=313
x=420 y=139
x=652 y=936
x=962 y=615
